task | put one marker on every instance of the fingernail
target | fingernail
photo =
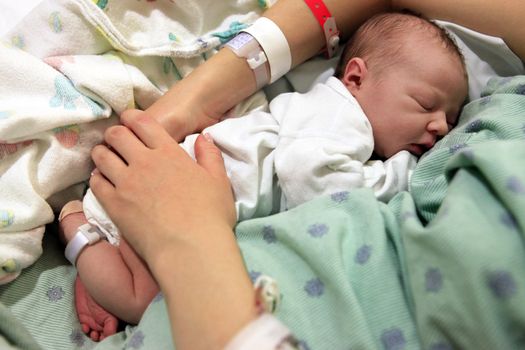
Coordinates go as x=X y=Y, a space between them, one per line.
x=208 y=137
x=95 y=171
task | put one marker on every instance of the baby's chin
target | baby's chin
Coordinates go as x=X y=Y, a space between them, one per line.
x=376 y=156
x=417 y=149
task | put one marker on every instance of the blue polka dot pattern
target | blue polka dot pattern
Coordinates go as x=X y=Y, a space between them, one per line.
x=433 y=280
x=502 y=284
x=474 y=126
x=136 y=341
x=77 y=337
x=303 y=345
x=363 y=254
x=55 y=293
x=515 y=185
x=269 y=234
x=318 y=230
x=339 y=197
x=440 y=346
x=455 y=148
x=508 y=220
x=314 y=287
x=393 y=339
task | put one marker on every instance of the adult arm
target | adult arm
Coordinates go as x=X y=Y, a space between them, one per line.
x=201 y=98
x=497 y=18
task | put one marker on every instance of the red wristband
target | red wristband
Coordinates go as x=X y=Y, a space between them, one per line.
x=328 y=25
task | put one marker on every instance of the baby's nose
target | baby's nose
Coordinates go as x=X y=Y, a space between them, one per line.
x=439 y=126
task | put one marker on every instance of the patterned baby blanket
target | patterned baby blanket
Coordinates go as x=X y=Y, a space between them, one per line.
x=68 y=70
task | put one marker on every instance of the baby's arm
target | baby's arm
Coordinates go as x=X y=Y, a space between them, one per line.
x=389 y=177
x=310 y=167
x=117 y=279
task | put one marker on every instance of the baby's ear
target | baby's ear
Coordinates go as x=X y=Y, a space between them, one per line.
x=354 y=74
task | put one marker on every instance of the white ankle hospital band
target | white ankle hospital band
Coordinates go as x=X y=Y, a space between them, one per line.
x=86 y=235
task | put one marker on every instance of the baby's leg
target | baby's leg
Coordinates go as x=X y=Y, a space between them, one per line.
x=95 y=321
x=115 y=277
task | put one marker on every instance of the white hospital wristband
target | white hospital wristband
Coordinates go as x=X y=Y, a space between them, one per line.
x=264 y=333
x=274 y=44
x=86 y=235
x=244 y=45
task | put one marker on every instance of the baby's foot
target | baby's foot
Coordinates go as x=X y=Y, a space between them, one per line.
x=96 y=322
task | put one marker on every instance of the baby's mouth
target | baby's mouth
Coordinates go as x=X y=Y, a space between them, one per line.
x=418 y=149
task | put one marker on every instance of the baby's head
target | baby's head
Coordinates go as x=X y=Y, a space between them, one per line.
x=410 y=79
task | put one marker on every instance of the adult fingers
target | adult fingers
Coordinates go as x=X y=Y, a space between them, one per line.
x=102 y=188
x=108 y=163
x=147 y=129
x=209 y=156
x=123 y=141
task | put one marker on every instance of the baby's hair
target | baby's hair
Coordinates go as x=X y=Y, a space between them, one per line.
x=380 y=40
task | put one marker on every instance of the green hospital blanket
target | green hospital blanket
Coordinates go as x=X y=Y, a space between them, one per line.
x=441 y=267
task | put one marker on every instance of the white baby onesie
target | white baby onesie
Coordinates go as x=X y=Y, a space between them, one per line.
x=308 y=145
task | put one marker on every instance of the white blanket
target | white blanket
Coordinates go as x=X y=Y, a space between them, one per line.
x=68 y=70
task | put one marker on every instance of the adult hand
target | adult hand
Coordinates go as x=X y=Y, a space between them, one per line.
x=154 y=191
x=177 y=214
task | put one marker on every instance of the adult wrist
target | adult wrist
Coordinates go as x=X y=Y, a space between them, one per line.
x=203 y=280
x=274 y=44
x=246 y=46
x=168 y=250
x=180 y=111
x=264 y=332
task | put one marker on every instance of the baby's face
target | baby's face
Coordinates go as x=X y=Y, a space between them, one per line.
x=411 y=105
